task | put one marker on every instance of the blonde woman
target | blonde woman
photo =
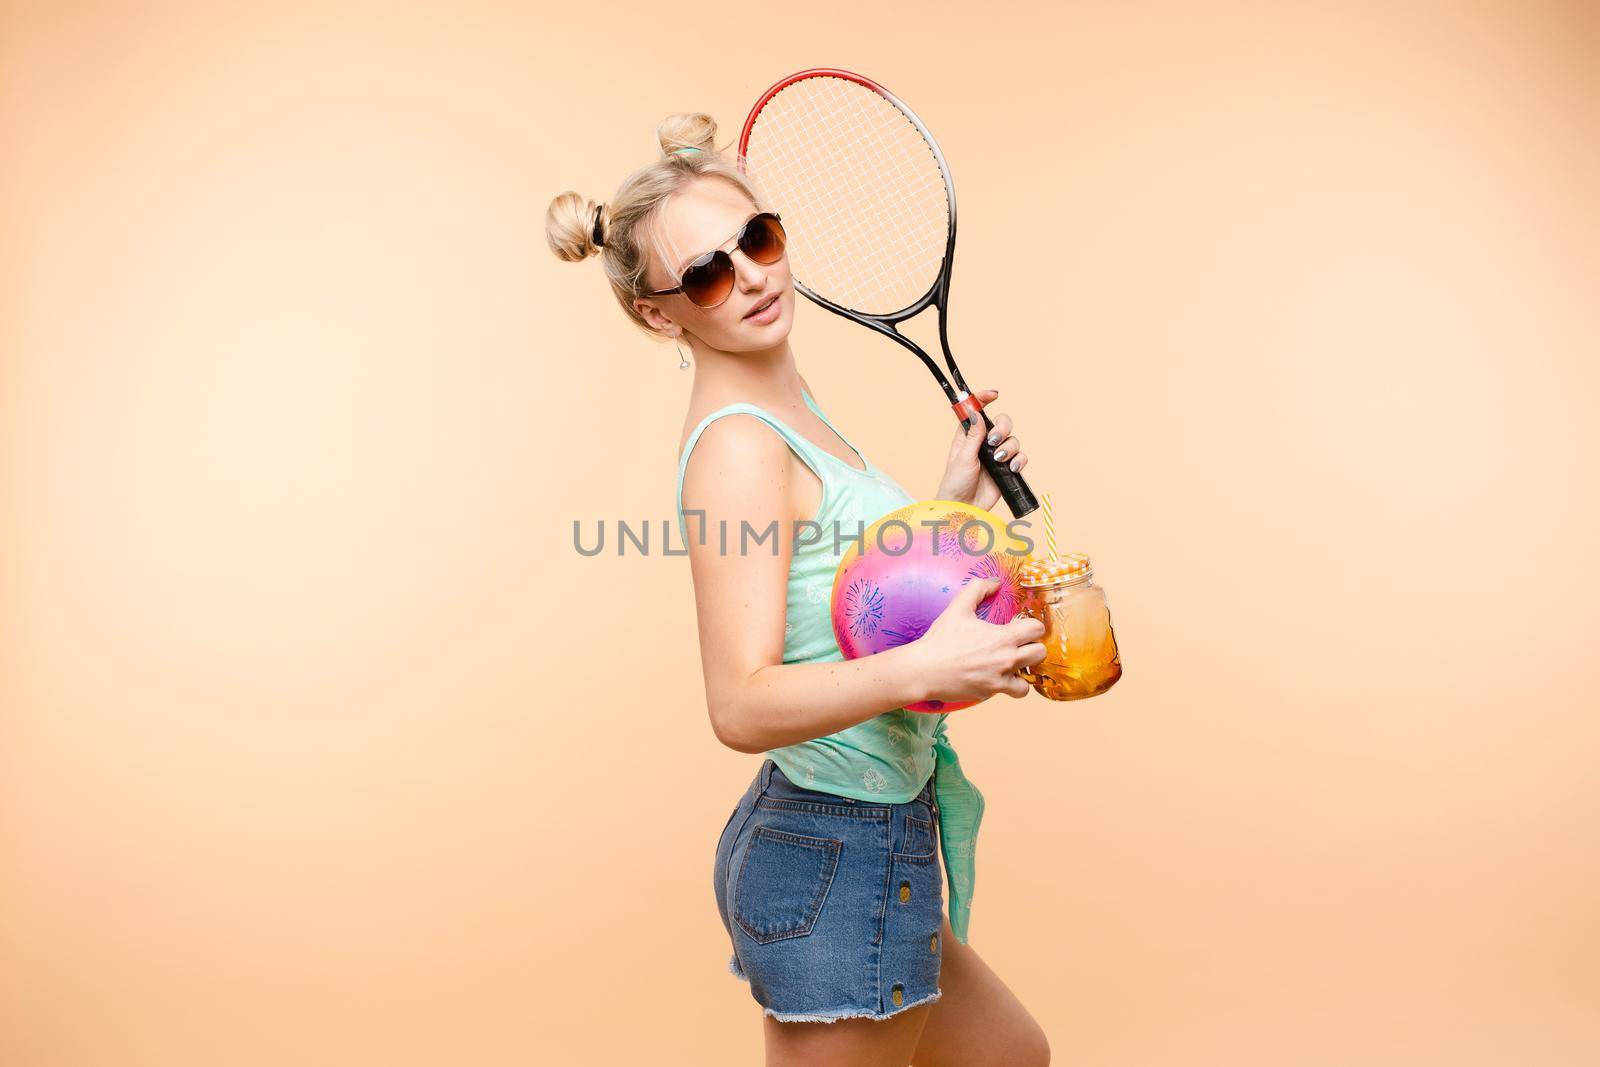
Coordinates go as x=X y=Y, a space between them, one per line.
x=827 y=873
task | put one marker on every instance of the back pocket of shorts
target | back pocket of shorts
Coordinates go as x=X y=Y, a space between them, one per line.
x=782 y=883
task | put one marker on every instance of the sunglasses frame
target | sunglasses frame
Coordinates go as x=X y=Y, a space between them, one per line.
x=711 y=257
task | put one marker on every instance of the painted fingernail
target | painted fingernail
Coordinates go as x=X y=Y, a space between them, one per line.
x=1014 y=464
x=994 y=439
x=1000 y=455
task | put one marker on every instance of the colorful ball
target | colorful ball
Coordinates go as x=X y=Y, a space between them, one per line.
x=907 y=568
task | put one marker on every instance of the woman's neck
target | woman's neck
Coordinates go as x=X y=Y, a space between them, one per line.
x=766 y=377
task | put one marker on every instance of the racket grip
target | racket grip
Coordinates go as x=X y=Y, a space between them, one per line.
x=1018 y=497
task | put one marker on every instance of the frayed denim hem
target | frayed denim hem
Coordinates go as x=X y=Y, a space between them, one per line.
x=797 y=1017
x=733 y=969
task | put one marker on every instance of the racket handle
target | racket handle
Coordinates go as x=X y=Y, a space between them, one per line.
x=1018 y=497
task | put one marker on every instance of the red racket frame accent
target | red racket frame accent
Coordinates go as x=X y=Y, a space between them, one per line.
x=814 y=72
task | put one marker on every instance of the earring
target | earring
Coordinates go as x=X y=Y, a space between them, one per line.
x=684 y=364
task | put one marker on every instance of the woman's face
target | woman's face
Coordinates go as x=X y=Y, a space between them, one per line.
x=708 y=214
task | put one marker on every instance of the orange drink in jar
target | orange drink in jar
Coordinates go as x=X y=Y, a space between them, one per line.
x=1081 y=658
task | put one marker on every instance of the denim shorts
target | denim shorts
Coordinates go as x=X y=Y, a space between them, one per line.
x=835 y=906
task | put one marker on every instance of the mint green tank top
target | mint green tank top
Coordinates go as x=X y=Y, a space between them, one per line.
x=889 y=757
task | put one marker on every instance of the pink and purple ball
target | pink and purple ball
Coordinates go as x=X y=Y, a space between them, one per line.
x=891 y=586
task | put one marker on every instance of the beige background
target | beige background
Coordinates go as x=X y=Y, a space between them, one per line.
x=320 y=744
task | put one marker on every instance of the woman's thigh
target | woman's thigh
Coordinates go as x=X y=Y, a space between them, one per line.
x=977 y=1021
x=848 y=1042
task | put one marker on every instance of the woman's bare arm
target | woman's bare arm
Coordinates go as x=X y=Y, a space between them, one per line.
x=742 y=471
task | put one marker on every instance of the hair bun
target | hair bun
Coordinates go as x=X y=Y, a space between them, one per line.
x=694 y=129
x=574 y=227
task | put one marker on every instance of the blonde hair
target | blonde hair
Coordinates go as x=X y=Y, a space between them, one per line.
x=628 y=231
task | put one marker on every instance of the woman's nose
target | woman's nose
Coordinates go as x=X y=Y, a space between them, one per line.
x=752 y=275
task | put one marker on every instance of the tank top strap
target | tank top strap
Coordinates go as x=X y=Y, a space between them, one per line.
x=796 y=442
x=866 y=464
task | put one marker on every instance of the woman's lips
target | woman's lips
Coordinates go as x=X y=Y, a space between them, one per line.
x=766 y=314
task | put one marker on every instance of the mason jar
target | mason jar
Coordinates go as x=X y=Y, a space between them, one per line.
x=1081 y=658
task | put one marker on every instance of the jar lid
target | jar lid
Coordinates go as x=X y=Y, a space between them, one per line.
x=1050 y=570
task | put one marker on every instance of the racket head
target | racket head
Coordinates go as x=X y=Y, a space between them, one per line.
x=864 y=191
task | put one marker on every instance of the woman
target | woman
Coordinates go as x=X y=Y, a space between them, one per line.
x=827 y=872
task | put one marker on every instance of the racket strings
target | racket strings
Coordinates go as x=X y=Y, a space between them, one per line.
x=845 y=125
x=861 y=192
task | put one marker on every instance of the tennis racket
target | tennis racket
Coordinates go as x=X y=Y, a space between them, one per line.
x=870 y=212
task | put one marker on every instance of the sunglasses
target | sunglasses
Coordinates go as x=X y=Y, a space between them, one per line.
x=709 y=279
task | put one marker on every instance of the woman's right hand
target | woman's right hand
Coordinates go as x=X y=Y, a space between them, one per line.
x=963 y=657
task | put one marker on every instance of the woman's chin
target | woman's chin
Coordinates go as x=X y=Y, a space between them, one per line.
x=761 y=338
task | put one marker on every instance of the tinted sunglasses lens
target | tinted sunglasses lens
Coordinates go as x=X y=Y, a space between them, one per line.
x=763 y=239
x=708 y=282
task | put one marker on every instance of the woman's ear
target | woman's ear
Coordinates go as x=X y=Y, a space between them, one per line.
x=653 y=315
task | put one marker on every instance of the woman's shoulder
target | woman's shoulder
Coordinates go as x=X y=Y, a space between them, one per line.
x=739 y=457
x=704 y=413
x=729 y=432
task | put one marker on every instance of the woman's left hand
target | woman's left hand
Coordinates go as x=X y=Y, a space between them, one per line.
x=964 y=477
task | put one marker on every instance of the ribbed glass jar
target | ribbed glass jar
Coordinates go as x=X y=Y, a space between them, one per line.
x=1081 y=658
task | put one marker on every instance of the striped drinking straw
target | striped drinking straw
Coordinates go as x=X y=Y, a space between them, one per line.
x=1049 y=525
